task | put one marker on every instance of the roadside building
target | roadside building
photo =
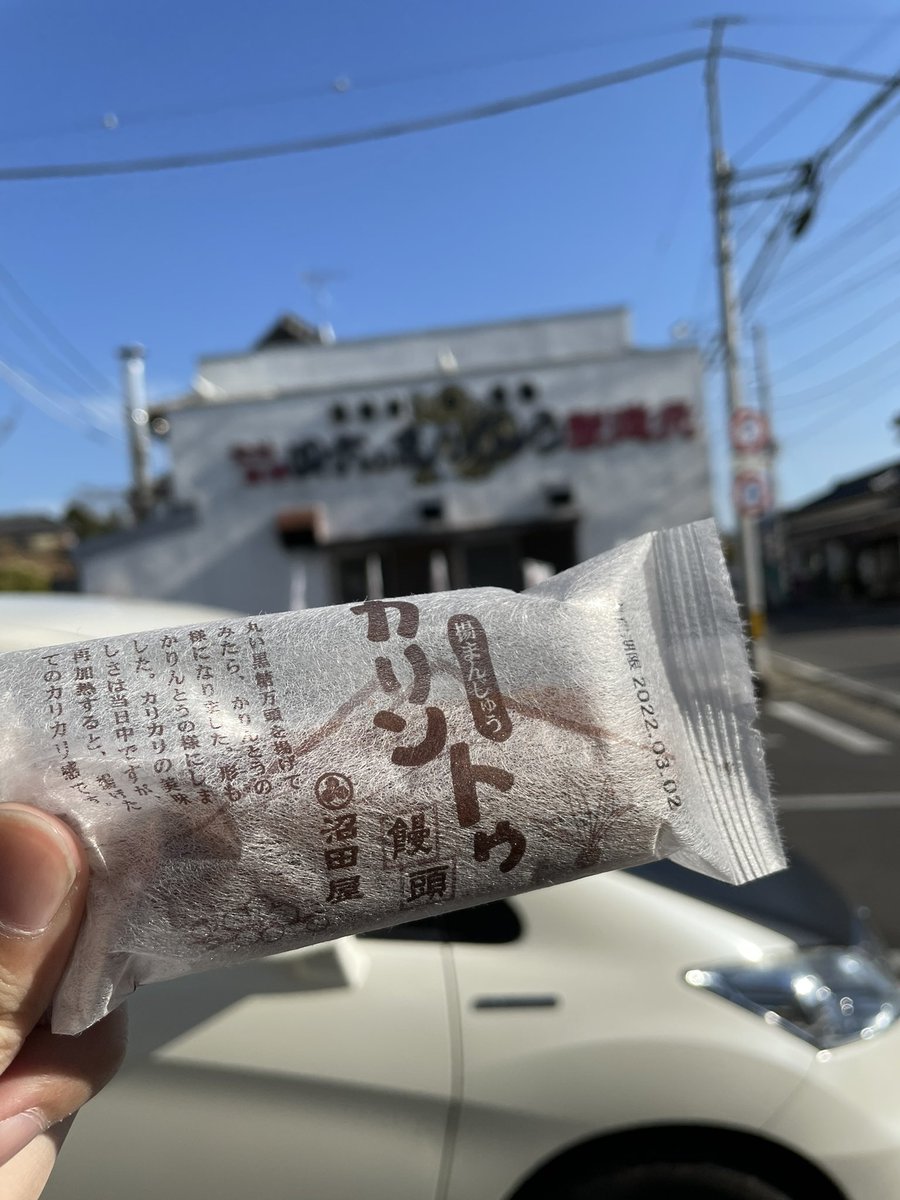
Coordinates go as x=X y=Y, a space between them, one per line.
x=35 y=554
x=305 y=473
x=845 y=544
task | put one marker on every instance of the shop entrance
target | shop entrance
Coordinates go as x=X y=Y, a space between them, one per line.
x=513 y=557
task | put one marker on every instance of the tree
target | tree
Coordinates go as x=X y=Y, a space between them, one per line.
x=86 y=523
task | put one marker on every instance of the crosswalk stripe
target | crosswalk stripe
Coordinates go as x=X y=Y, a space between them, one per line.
x=839 y=800
x=848 y=737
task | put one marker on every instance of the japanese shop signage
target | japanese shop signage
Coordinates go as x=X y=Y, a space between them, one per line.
x=455 y=436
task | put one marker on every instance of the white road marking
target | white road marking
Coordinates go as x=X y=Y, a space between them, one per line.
x=840 y=800
x=848 y=737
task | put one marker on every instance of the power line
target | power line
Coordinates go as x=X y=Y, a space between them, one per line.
x=674 y=210
x=341 y=83
x=817 y=259
x=793 y=220
x=856 y=123
x=750 y=224
x=762 y=19
x=838 y=294
x=172 y=162
x=48 y=357
x=864 y=141
x=841 y=342
x=82 y=367
x=826 y=421
x=331 y=141
x=35 y=395
x=830 y=270
x=784 y=118
x=838 y=382
x=764 y=265
x=829 y=70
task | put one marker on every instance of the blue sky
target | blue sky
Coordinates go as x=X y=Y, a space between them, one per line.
x=596 y=200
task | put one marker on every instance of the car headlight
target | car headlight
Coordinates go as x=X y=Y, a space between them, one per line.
x=826 y=995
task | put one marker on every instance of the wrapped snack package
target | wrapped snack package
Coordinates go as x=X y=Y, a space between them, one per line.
x=266 y=783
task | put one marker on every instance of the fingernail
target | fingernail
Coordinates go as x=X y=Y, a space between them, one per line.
x=17 y=1132
x=37 y=870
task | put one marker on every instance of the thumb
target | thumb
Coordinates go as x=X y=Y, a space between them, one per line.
x=43 y=879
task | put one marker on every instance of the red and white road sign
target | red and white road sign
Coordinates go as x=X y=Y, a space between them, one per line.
x=749 y=431
x=751 y=493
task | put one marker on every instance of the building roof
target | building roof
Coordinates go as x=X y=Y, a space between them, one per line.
x=23 y=524
x=288 y=363
x=289 y=329
x=882 y=480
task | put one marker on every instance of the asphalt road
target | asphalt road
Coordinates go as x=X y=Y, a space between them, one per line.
x=863 y=643
x=835 y=767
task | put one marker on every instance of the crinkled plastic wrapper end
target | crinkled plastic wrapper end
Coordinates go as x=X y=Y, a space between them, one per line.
x=266 y=783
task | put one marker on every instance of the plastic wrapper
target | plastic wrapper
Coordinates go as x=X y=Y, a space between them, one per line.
x=266 y=783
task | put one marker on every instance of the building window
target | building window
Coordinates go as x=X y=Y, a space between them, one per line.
x=394 y=408
x=339 y=413
x=452 y=398
x=498 y=395
x=527 y=392
x=367 y=410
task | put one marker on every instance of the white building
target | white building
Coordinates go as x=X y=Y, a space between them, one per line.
x=306 y=473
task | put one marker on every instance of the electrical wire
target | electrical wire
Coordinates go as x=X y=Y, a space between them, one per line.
x=802 y=291
x=828 y=70
x=873 y=321
x=340 y=84
x=838 y=383
x=343 y=82
x=762 y=19
x=792 y=220
x=35 y=395
x=48 y=357
x=827 y=420
x=784 y=118
x=864 y=141
x=354 y=137
x=82 y=368
x=675 y=209
x=838 y=294
x=765 y=263
x=751 y=223
x=817 y=259
x=856 y=123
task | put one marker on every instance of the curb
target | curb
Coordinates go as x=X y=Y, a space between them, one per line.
x=795 y=668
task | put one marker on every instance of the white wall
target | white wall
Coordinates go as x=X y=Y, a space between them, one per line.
x=415 y=355
x=621 y=489
x=232 y=556
x=244 y=567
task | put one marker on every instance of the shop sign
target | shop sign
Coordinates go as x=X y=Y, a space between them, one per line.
x=466 y=439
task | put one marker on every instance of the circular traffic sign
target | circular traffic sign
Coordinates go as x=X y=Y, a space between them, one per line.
x=749 y=431
x=751 y=493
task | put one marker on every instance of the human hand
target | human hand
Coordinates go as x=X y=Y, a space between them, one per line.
x=44 y=1078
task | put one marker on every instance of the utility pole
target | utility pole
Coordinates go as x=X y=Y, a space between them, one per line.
x=136 y=429
x=764 y=400
x=729 y=318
